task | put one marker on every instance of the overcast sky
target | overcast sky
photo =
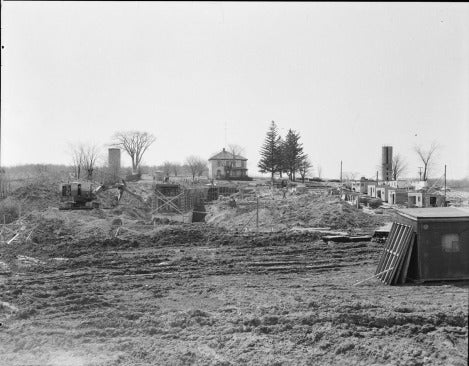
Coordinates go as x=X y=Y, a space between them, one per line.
x=349 y=77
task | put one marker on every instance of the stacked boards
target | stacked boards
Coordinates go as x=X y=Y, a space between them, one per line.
x=394 y=262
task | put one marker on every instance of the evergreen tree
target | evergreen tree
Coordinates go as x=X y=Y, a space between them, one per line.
x=282 y=165
x=270 y=152
x=292 y=154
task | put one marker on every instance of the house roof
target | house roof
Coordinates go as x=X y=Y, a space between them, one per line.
x=435 y=213
x=226 y=155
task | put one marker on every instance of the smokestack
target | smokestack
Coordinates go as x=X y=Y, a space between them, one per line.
x=386 y=163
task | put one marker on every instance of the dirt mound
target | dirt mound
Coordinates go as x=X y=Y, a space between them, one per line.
x=36 y=195
x=306 y=210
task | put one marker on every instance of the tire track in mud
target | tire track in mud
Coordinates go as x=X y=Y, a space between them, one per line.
x=115 y=289
x=193 y=259
x=83 y=279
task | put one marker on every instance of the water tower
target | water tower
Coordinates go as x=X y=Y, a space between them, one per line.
x=386 y=163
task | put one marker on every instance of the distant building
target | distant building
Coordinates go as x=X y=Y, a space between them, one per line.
x=381 y=193
x=425 y=199
x=400 y=184
x=397 y=196
x=371 y=190
x=226 y=165
x=361 y=186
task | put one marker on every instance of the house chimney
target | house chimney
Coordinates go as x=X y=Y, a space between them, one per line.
x=223 y=149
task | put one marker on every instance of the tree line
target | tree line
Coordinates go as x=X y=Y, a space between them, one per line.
x=86 y=157
x=283 y=155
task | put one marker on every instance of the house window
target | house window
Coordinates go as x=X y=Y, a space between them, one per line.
x=450 y=243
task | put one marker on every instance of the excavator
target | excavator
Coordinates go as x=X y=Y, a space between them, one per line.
x=83 y=195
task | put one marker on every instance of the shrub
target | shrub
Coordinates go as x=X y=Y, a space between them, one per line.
x=9 y=211
x=372 y=202
x=375 y=203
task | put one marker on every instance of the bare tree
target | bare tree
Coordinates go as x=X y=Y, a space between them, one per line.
x=176 y=168
x=304 y=166
x=196 y=165
x=349 y=176
x=399 y=166
x=84 y=159
x=167 y=167
x=319 y=169
x=426 y=158
x=90 y=156
x=77 y=153
x=135 y=143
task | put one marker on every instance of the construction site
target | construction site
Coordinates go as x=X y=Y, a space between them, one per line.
x=229 y=273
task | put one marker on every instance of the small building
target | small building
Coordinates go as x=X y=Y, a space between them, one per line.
x=399 y=184
x=371 y=190
x=381 y=193
x=351 y=197
x=361 y=185
x=425 y=199
x=397 y=196
x=225 y=165
x=440 y=250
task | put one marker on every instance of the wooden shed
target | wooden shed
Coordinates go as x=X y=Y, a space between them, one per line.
x=440 y=250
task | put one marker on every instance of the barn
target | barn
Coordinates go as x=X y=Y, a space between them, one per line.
x=440 y=250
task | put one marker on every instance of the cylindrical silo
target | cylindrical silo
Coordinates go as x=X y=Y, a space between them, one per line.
x=114 y=163
x=386 y=163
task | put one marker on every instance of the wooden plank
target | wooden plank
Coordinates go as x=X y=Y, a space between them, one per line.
x=394 y=258
x=402 y=250
x=168 y=201
x=392 y=232
x=406 y=261
x=389 y=262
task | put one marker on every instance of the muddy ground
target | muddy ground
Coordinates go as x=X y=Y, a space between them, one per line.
x=198 y=295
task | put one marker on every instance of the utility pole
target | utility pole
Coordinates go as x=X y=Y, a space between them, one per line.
x=420 y=172
x=445 y=185
x=341 y=171
x=257 y=214
x=225 y=133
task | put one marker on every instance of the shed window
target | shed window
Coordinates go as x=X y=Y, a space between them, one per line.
x=450 y=243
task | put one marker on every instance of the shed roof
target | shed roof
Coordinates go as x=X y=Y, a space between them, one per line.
x=435 y=213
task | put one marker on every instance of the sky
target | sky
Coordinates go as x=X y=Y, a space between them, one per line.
x=349 y=77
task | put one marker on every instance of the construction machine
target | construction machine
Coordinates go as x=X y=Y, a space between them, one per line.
x=83 y=195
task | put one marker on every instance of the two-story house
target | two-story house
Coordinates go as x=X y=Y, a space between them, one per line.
x=226 y=165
